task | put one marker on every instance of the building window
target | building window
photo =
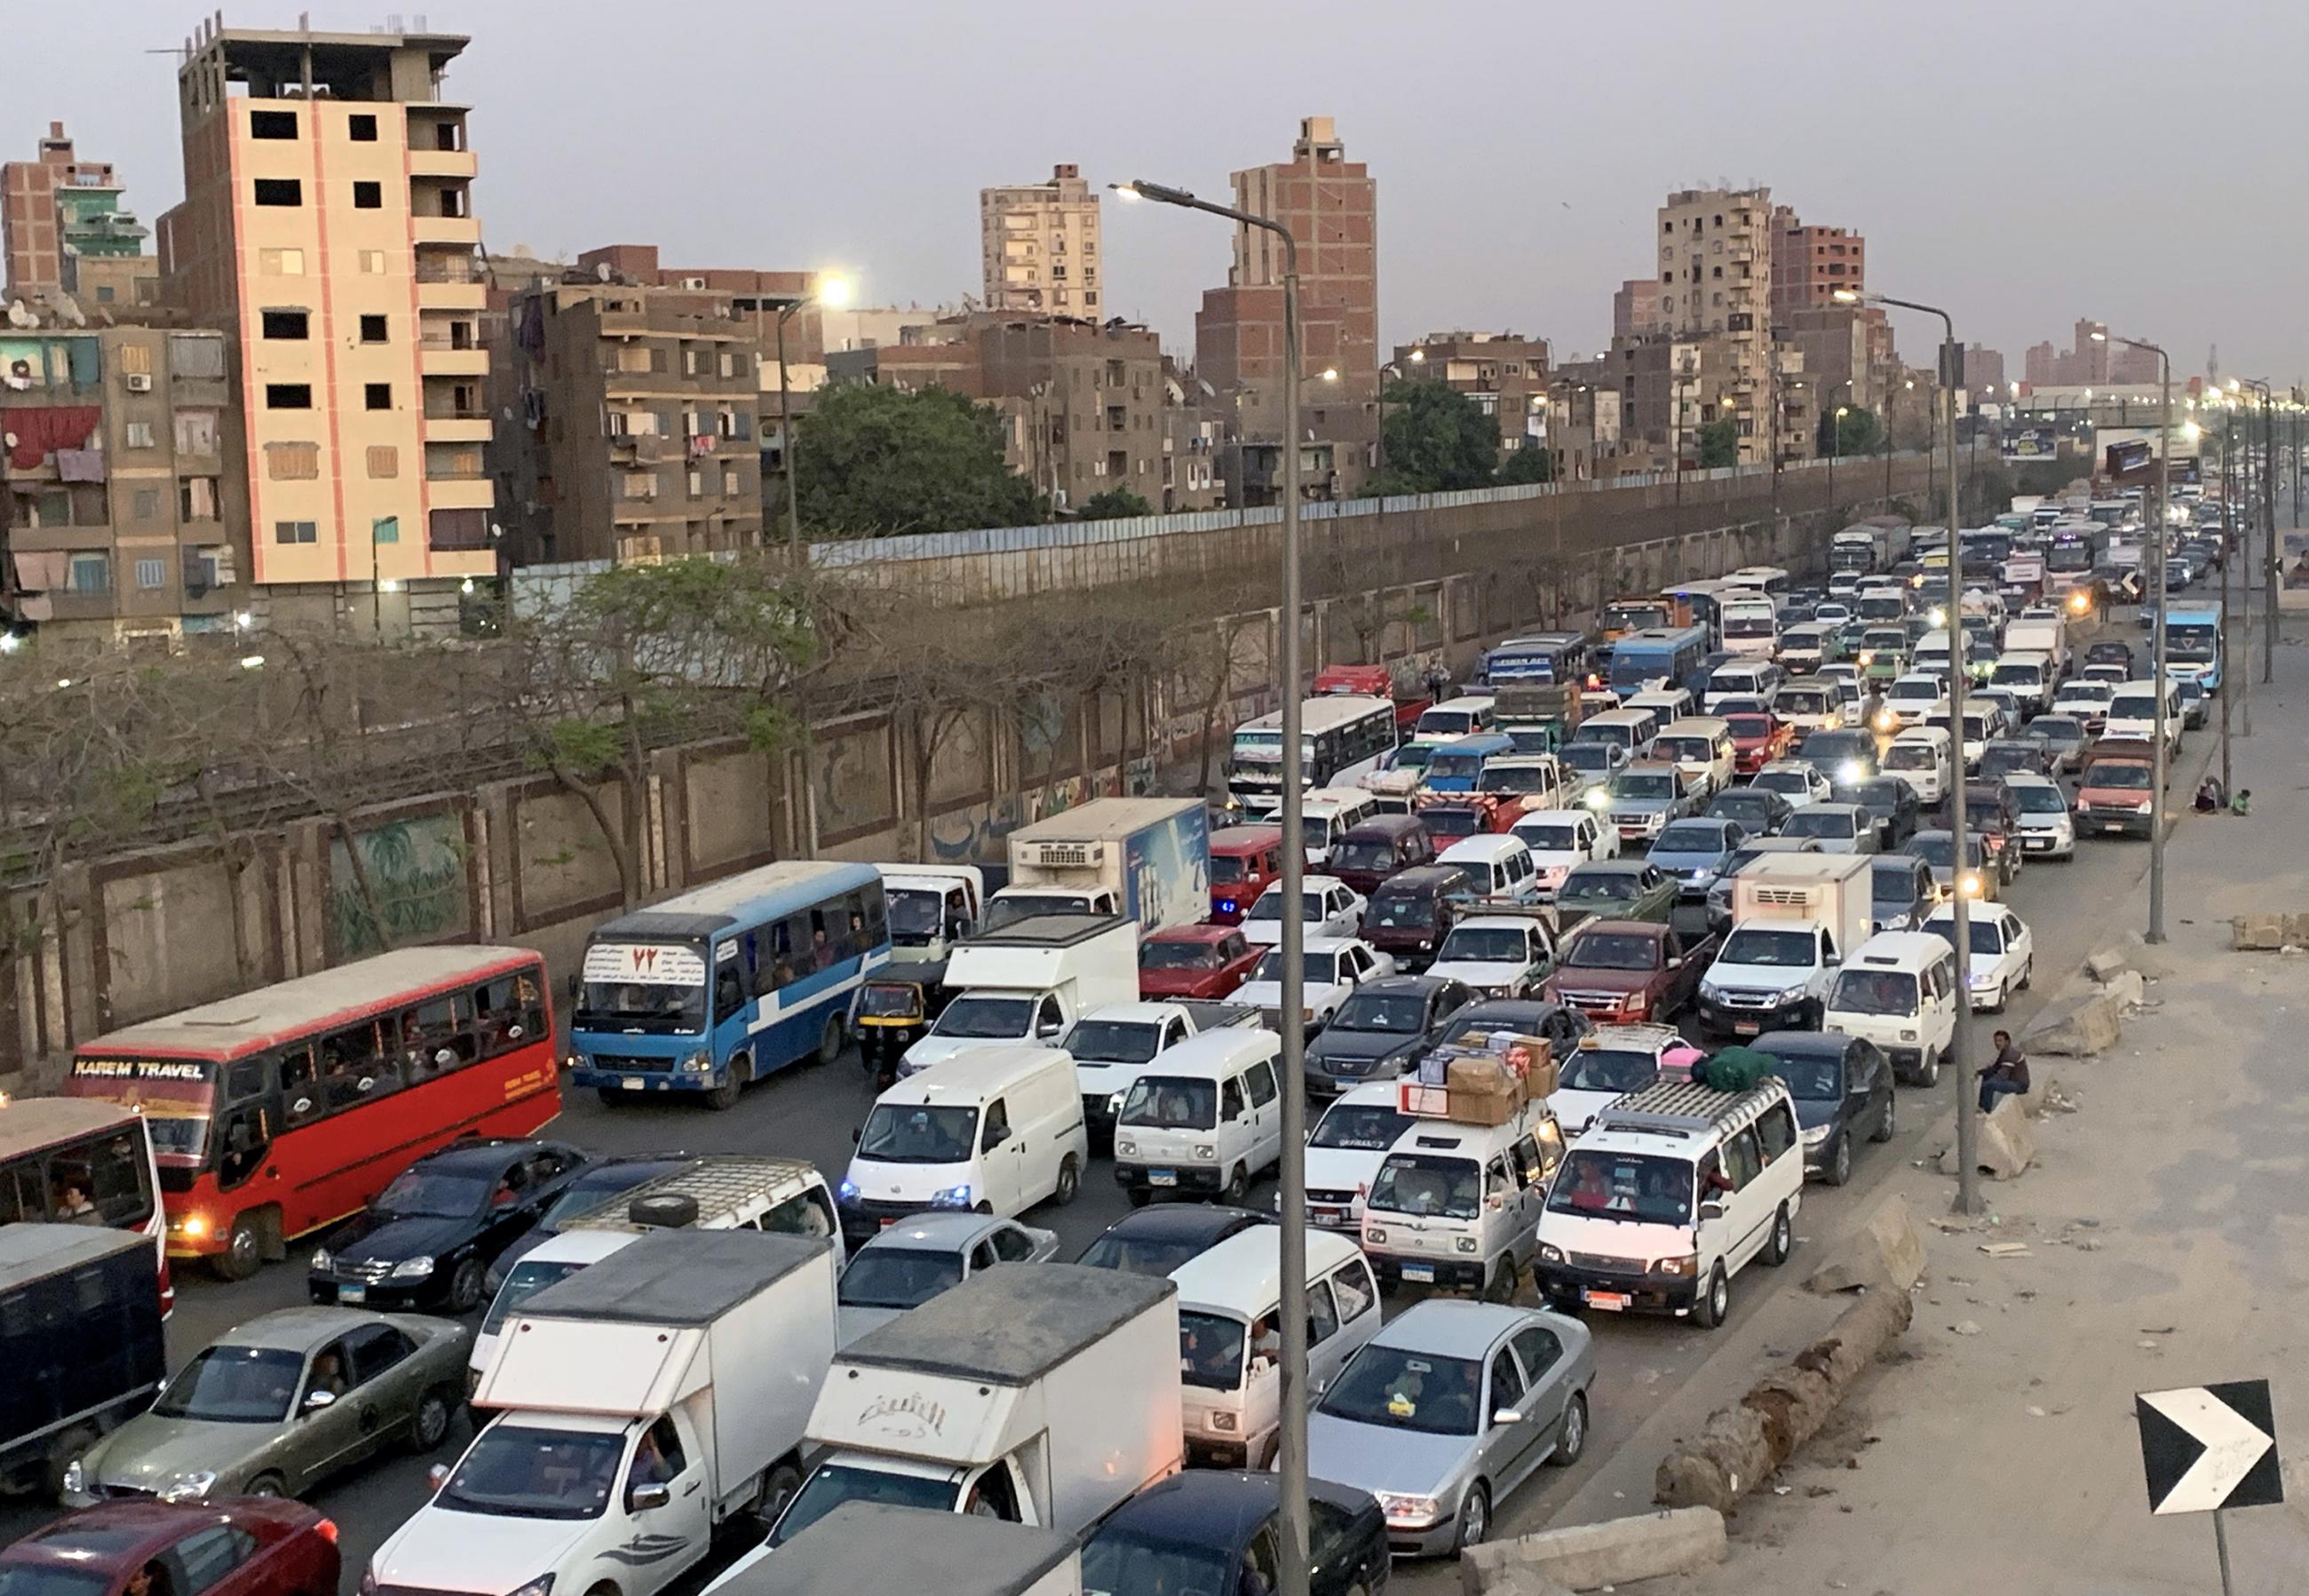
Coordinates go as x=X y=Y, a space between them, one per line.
x=286 y=324
x=697 y=484
x=196 y=498
x=148 y=504
x=288 y=395
x=729 y=484
x=281 y=263
x=296 y=531
x=372 y=263
x=369 y=196
x=384 y=460
x=135 y=359
x=461 y=529
x=89 y=575
x=361 y=128
x=378 y=395
x=151 y=574
x=139 y=435
x=271 y=125
x=197 y=432
x=729 y=362
x=292 y=462
x=279 y=191
x=372 y=329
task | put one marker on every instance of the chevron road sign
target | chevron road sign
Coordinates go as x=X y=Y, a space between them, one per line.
x=2209 y=1447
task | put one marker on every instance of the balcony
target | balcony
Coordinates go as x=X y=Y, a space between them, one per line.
x=447 y=294
x=442 y=360
x=463 y=232
x=442 y=163
x=457 y=427
x=475 y=492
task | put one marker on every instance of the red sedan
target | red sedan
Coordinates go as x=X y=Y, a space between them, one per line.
x=1196 y=961
x=237 y=1546
x=1757 y=740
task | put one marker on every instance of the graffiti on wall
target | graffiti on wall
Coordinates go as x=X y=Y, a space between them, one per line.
x=981 y=832
x=416 y=868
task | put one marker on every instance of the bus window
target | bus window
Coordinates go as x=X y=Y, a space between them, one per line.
x=22 y=1197
x=246 y=1080
x=300 y=1085
x=113 y=1174
x=440 y=1044
x=353 y=1066
x=729 y=990
x=242 y=1143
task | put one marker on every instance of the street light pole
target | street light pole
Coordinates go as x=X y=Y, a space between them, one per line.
x=832 y=293
x=2160 y=538
x=2229 y=675
x=2268 y=529
x=1291 y=1202
x=1967 y=1105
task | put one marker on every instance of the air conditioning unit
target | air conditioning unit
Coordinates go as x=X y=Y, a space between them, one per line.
x=1068 y=856
x=139 y=383
x=693 y=282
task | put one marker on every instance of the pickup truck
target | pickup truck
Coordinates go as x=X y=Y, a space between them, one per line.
x=1196 y=962
x=1614 y=889
x=1113 y=1046
x=1504 y=955
x=1626 y=972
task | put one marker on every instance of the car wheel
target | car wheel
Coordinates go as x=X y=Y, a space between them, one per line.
x=1884 y=1122
x=723 y=1099
x=1474 y=1518
x=1572 y=1437
x=1784 y=1230
x=1140 y=1196
x=1928 y=1072
x=779 y=1482
x=2028 y=974
x=829 y=1041
x=1238 y=1185
x=244 y=1251
x=1714 y=1302
x=1502 y=1286
x=465 y=1285
x=1070 y=1181
x=610 y=1096
x=1839 y=1160
x=266 y=1484
x=429 y=1427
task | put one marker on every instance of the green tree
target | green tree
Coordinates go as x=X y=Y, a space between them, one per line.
x=1115 y=504
x=1856 y=434
x=1436 y=440
x=1530 y=464
x=1719 y=444
x=876 y=461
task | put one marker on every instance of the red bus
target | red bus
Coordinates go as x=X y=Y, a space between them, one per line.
x=280 y=1112
x=67 y=1162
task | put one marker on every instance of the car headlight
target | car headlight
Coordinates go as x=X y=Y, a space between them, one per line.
x=1712 y=992
x=1376 y=1235
x=1223 y=1421
x=1980 y=978
x=698 y=1063
x=1817 y=1134
x=951 y=1197
x=542 y=1585
x=1599 y=799
x=76 y=1476
x=1635 y=1003
x=847 y=1191
x=1907 y=1036
x=1867 y=656
x=1205 y=1152
x=321 y=1260
x=369 y=1580
x=413 y=1269
x=1306 y=1016
x=1686 y=1265
x=1466 y=1244
x=1851 y=771
x=1886 y=720
x=1126 y=1148
x=1408 y=1510
x=2144 y=807
x=1549 y=1252
x=188 y=1487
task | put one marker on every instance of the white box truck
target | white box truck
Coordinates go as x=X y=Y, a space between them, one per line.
x=642 y=1403
x=1147 y=859
x=1796 y=918
x=932 y=908
x=1046 y=1396
x=862 y=1548
x=1029 y=982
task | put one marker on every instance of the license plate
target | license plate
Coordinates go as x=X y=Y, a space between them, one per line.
x=1746 y=1028
x=1329 y=1216
x=1613 y=1300
x=1162 y=1177
x=886 y=1224
x=1421 y=1272
x=632 y=1083
x=352 y=1294
x=2116 y=825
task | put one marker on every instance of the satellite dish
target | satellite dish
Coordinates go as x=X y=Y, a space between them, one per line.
x=601 y=270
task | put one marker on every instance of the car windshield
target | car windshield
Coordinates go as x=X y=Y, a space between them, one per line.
x=1879 y=794
x=435 y=1194
x=1397 y=1388
x=1810 y=1077
x=1755 y=725
x=1454 y=767
x=898 y=1277
x=1269 y=906
x=1936 y=848
x=1553 y=837
x=1178 y=956
x=1117 y=1562
x=639 y=1006
x=2124 y=777
x=1894 y=885
x=1911 y=756
x=1644 y=784
x=2040 y=800
x=1790 y=784
x=1170 y=1102
x=1685 y=837
x=1426 y=1185
x=833 y=1484
x=1781 y=950
x=1006 y=911
x=1210 y=1349
x=1986 y=938
x=517 y=1471
x=1485 y=944
x=1643 y=1187
x=1366 y=855
x=918 y=1133
x=1610 y=950
x=1987 y=813
x=226 y=1384
x=1873 y=992
x=1609 y=1070
x=1588 y=758
x=1835 y=825
x=1360 y=1127
x=914 y=915
x=1515 y=778
x=2018 y=676
x=1227 y=869
x=525 y=1281
x=1402 y=910
x=590 y=1190
x=973 y=1014
x=1753 y=811
x=1402 y=1013
x=1597 y=886
x=1152 y=1257
x=38 y=1579
x=890 y=999
x=1113 y=1041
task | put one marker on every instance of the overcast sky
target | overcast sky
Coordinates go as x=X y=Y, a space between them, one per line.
x=2023 y=162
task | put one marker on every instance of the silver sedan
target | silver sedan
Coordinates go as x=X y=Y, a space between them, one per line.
x=1448 y=1409
x=917 y=1258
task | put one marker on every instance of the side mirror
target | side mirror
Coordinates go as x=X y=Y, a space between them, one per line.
x=1675 y=961
x=1506 y=1416
x=1710 y=1210
x=315 y=1400
x=643 y=1497
x=437 y=1476
x=853 y=1135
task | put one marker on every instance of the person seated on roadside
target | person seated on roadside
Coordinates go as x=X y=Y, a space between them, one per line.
x=2241 y=804
x=2208 y=795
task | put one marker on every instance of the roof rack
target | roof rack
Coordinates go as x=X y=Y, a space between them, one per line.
x=1682 y=1109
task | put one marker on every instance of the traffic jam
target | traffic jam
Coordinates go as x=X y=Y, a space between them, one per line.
x=1611 y=950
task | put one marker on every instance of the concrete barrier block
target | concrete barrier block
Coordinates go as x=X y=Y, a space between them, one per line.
x=2130 y=988
x=2078 y=1027
x=1590 y=1557
x=1888 y=1251
x=2106 y=964
x=2257 y=933
x=2007 y=1142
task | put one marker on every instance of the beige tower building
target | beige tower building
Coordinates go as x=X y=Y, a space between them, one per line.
x=1716 y=281
x=328 y=227
x=1040 y=246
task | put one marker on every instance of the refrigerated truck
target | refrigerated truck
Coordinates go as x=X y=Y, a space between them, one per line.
x=1147 y=859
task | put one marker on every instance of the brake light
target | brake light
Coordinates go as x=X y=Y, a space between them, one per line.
x=328 y=1530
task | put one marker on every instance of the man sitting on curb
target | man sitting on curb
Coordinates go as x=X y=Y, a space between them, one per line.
x=2007 y=1074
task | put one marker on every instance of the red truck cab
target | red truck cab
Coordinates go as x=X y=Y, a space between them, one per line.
x=1628 y=972
x=1196 y=961
x=1370 y=682
x=1757 y=740
x=1244 y=859
x=1457 y=815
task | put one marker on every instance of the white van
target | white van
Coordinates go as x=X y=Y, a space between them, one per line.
x=1629 y=729
x=556 y=1258
x=1463 y=717
x=1910 y=698
x=1230 y=1337
x=1206 y=1116
x=1922 y=757
x=1670 y=1195
x=1345 y=1150
x=2028 y=677
x=1330 y=811
x=2132 y=712
x=1898 y=990
x=1499 y=863
x=1701 y=747
x=999 y=1129
x=1560 y=838
x=1670 y=703
x=1751 y=624
x=1453 y=1205
x=1741 y=678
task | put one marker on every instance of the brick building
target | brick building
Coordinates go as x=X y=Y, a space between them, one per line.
x=1039 y=246
x=1811 y=263
x=1634 y=308
x=61 y=219
x=1504 y=373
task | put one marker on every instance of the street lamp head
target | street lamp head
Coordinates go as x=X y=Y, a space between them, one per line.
x=1329 y=374
x=2100 y=337
x=2233 y=385
x=1846 y=296
x=1419 y=357
x=1139 y=188
x=835 y=293
x=2190 y=432
x=1842 y=412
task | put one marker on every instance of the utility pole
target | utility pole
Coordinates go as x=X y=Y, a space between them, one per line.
x=2268 y=528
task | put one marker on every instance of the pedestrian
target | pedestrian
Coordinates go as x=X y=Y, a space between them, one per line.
x=2210 y=798
x=2241 y=804
x=2007 y=1074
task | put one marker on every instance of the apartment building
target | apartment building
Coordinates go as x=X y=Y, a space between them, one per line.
x=116 y=508
x=1634 y=308
x=1810 y=265
x=637 y=435
x=1504 y=373
x=60 y=214
x=1039 y=246
x=327 y=229
x=1716 y=284
x=1984 y=372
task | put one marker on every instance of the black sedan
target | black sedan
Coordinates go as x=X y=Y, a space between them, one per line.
x=1891 y=803
x=1381 y=1029
x=1559 y=1023
x=1842 y=1089
x=1759 y=810
x=427 y=1240
x=1217 y=1530
x=1154 y=1241
x=592 y=1189
x=2111 y=651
